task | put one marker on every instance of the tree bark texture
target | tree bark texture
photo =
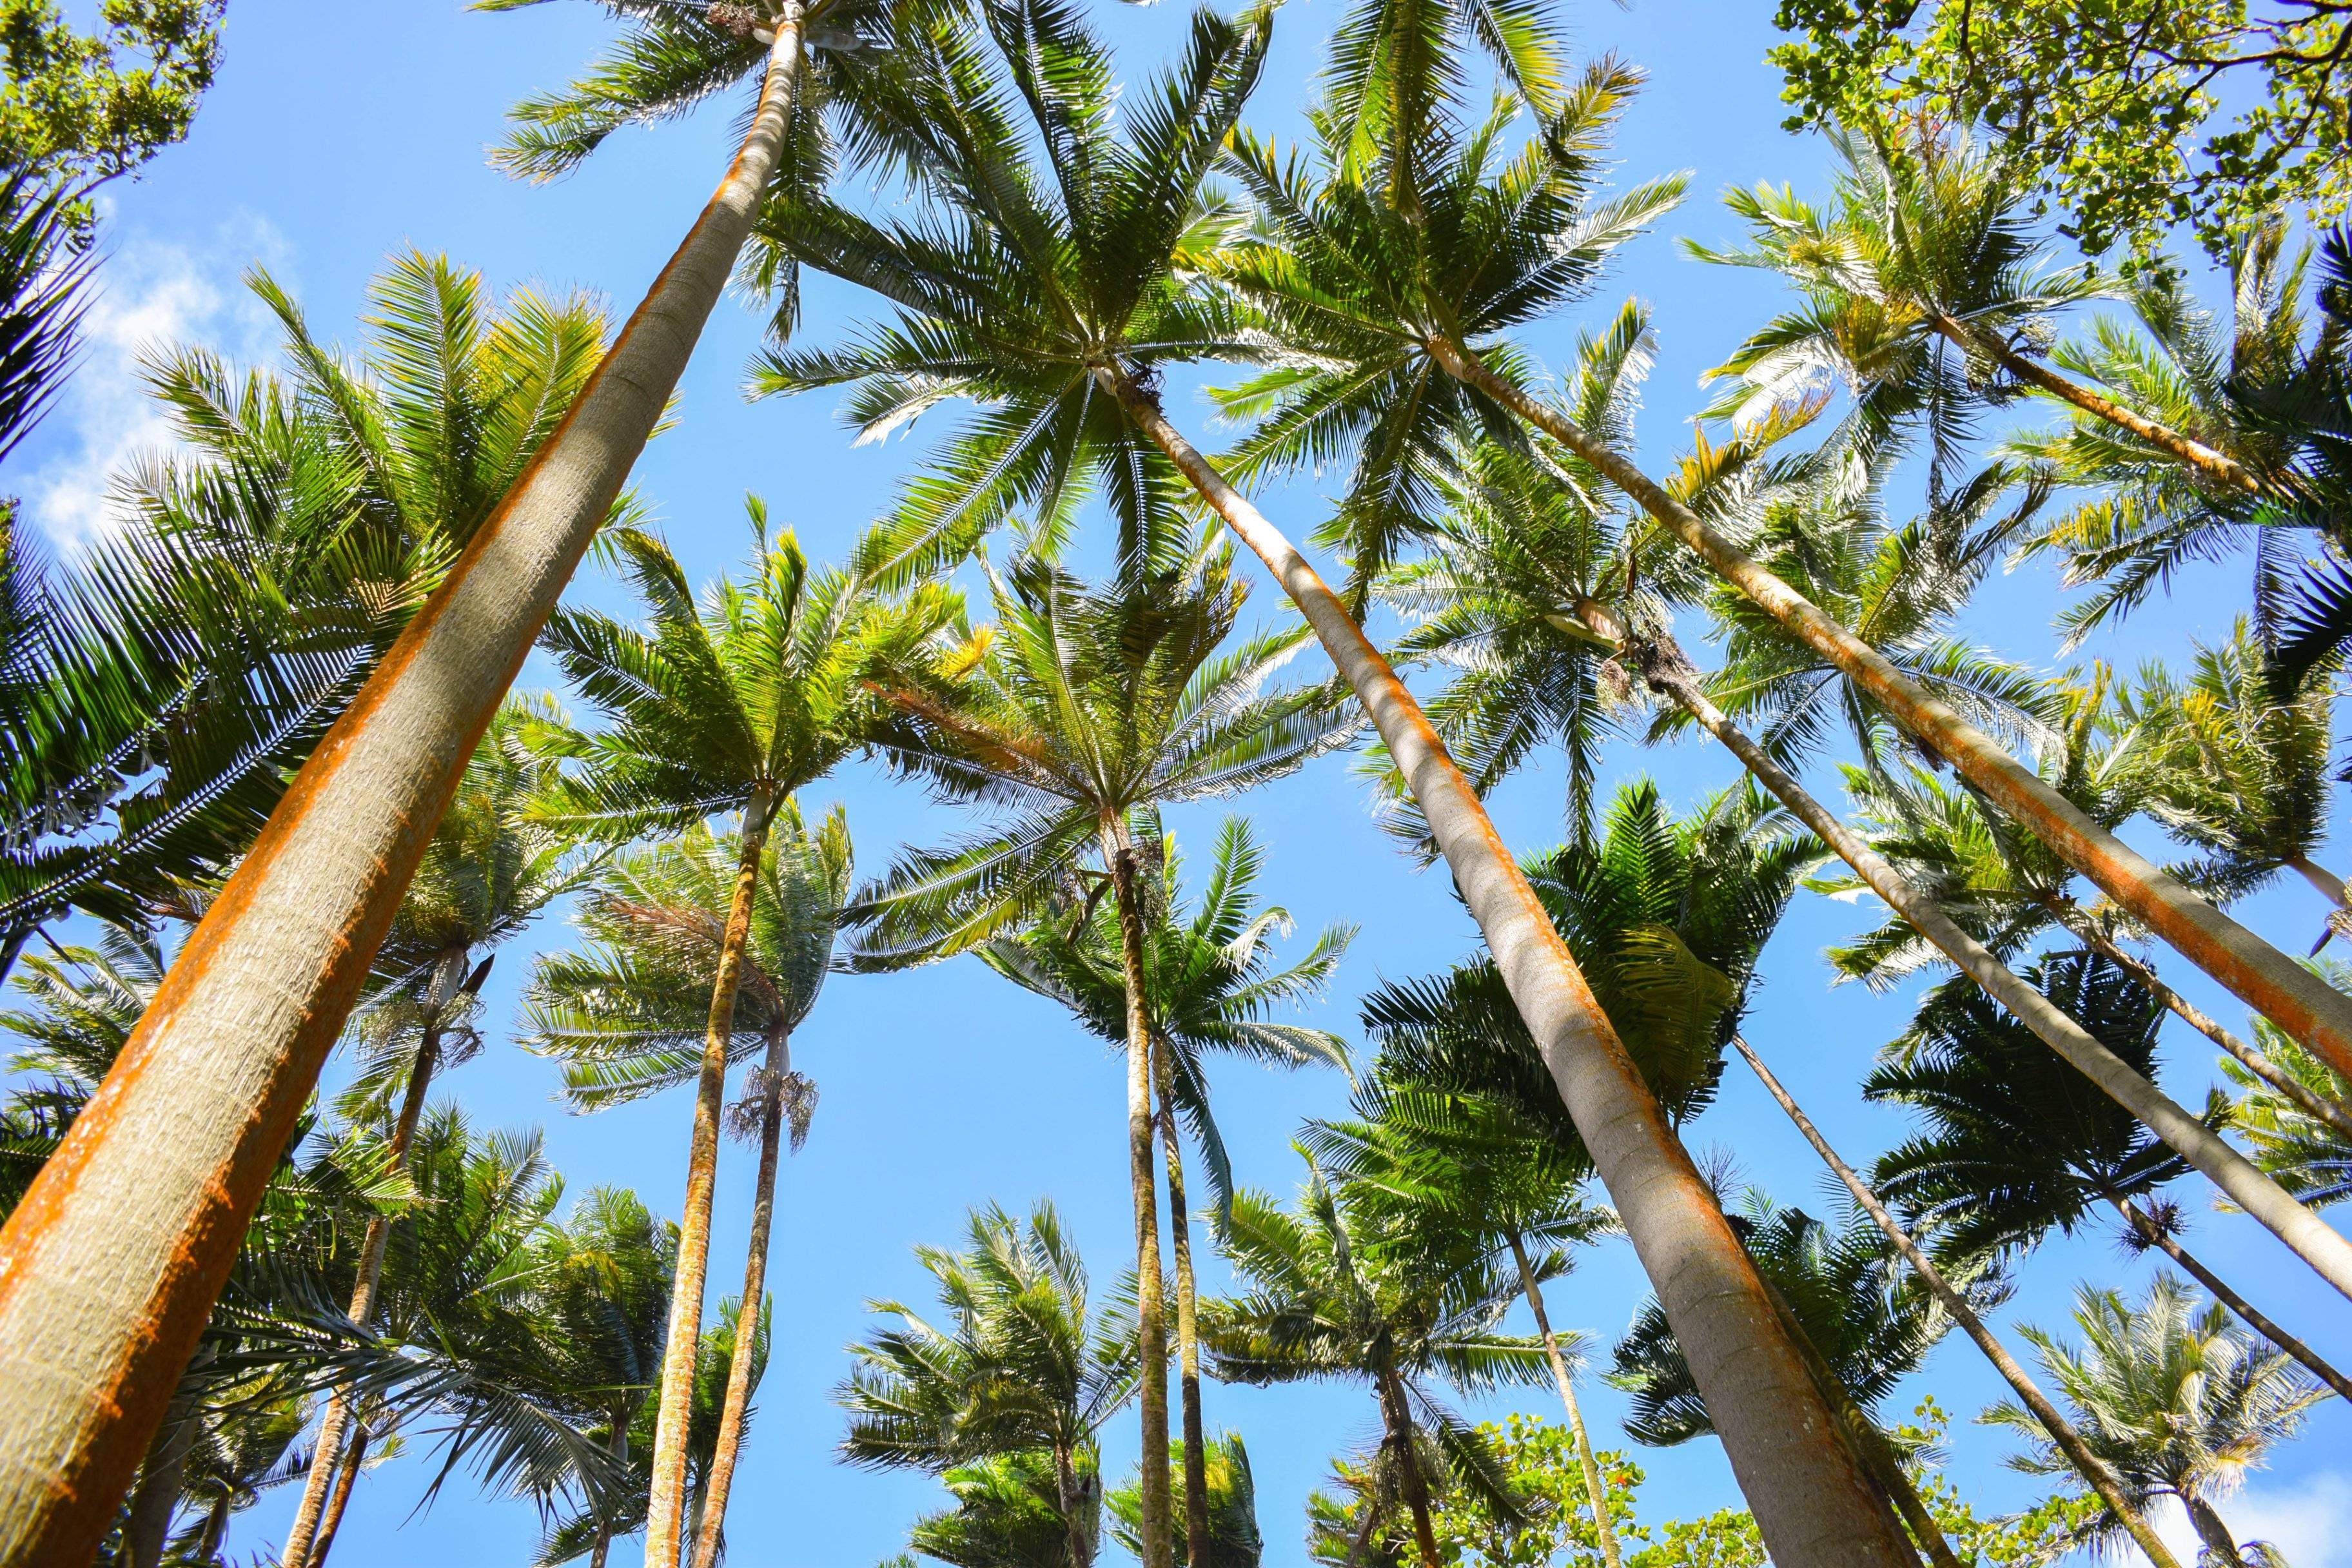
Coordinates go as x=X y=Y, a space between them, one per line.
x=110 y=1267
x=1151 y=1299
x=1813 y=1505
x=2298 y=1000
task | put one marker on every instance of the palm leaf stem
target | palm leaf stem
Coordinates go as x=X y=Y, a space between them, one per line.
x=2312 y=1238
x=2095 y=1471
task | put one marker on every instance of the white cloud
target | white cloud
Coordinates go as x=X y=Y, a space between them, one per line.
x=2310 y=1522
x=150 y=293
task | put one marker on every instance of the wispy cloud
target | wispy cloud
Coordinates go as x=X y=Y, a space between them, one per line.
x=151 y=293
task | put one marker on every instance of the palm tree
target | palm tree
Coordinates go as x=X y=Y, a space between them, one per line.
x=1230 y=1537
x=1337 y=1291
x=2019 y=1143
x=486 y=875
x=1358 y=289
x=2176 y=1402
x=726 y=706
x=1471 y=1166
x=1053 y=298
x=1083 y=712
x=273 y=971
x=1210 y=984
x=1019 y=1370
x=2309 y=1153
x=628 y=1015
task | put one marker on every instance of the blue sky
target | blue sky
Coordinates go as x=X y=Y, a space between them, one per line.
x=338 y=133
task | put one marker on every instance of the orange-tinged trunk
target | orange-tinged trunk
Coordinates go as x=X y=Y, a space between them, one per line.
x=1811 y=1502
x=110 y=1267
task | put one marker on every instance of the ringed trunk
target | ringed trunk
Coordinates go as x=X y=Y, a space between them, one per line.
x=1594 y=1491
x=2318 y=1243
x=666 y=1501
x=110 y=1267
x=755 y=1283
x=2309 y=1009
x=1150 y=1303
x=2155 y=1236
x=1188 y=1322
x=2088 y=1464
x=1812 y=1503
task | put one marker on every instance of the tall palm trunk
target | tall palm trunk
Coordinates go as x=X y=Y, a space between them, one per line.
x=665 y=1503
x=1813 y=1505
x=449 y=975
x=1188 y=1323
x=2092 y=1470
x=1397 y=1416
x=2215 y=466
x=110 y=1267
x=340 y=1497
x=1151 y=1302
x=755 y=1283
x=2161 y=1238
x=619 y=1449
x=148 y=1530
x=2313 y=1239
x=2305 y=1007
x=2214 y=1533
x=1067 y=1493
x=1594 y=1491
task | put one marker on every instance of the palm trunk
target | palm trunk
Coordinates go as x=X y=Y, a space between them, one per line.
x=2325 y=882
x=1594 y=1489
x=619 y=1449
x=1814 y=1507
x=340 y=1499
x=1398 y=1419
x=2215 y=466
x=2214 y=1533
x=1364 y=1531
x=110 y=1267
x=2158 y=1236
x=208 y=1544
x=1150 y=1303
x=2305 y=1007
x=1187 y=1324
x=666 y=1501
x=755 y=1274
x=149 y=1527
x=2315 y=1241
x=2092 y=1470
x=1065 y=1491
x=331 y=1426
x=2317 y=1106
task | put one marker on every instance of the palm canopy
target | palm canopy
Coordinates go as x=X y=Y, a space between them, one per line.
x=731 y=702
x=2307 y=1156
x=1081 y=708
x=2018 y=1140
x=1852 y=1298
x=1666 y=919
x=626 y=1013
x=1212 y=983
x=1348 y=289
x=1060 y=242
x=2176 y=1401
x=176 y=677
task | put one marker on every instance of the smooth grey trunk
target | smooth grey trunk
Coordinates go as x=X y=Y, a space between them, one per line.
x=1188 y=1319
x=149 y=1529
x=1813 y=1505
x=2158 y=1236
x=110 y=1267
x=1594 y=1491
x=2310 y=1010
x=1158 y=1524
x=2317 y=1243
x=2092 y=1470
x=666 y=1498
x=747 y=1320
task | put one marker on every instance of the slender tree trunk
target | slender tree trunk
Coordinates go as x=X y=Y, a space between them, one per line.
x=2305 y=1007
x=2214 y=1533
x=1188 y=1321
x=1066 y=1489
x=110 y=1267
x=208 y=1544
x=2092 y=1470
x=665 y=1503
x=2158 y=1236
x=1398 y=1418
x=1813 y=1505
x=1594 y=1490
x=619 y=1449
x=2312 y=1238
x=1151 y=1302
x=2215 y=466
x=2315 y=1106
x=340 y=1497
x=755 y=1274
x=149 y=1527
x=449 y=974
